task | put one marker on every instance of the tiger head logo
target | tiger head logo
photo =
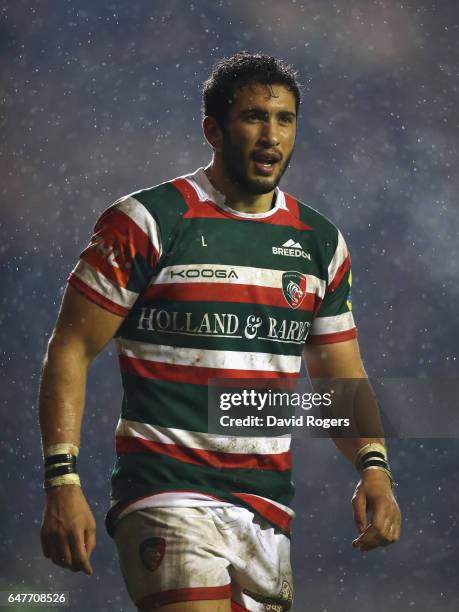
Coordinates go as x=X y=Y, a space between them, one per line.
x=294 y=288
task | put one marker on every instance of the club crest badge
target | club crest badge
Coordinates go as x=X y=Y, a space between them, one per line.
x=152 y=552
x=294 y=288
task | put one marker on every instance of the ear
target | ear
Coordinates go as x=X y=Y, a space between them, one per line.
x=213 y=133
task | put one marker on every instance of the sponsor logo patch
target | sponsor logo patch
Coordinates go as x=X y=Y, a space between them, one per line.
x=203 y=273
x=152 y=552
x=294 y=288
x=291 y=249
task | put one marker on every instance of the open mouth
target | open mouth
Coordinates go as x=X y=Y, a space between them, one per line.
x=265 y=162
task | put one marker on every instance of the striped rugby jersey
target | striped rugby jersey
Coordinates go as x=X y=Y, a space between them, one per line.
x=209 y=292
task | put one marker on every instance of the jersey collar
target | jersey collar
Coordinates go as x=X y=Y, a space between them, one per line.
x=206 y=191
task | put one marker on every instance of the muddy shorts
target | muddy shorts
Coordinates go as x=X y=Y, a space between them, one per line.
x=169 y=555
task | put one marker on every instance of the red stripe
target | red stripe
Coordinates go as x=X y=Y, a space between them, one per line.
x=117 y=240
x=190 y=374
x=294 y=210
x=285 y=217
x=208 y=210
x=317 y=305
x=187 y=191
x=235 y=607
x=97 y=298
x=344 y=267
x=292 y=205
x=269 y=511
x=224 y=292
x=156 y=600
x=278 y=462
x=349 y=334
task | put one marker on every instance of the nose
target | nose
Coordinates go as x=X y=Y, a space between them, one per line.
x=269 y=136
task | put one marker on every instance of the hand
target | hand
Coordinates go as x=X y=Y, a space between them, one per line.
x=68 y=532
x=374 y=494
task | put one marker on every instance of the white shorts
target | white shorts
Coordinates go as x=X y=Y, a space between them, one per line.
x=168 y=555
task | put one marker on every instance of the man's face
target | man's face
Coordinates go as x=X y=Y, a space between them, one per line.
x=259 y=136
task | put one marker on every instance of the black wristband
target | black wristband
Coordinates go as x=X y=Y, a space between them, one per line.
x=53 y=459
x=374 y=462
x=60 y=471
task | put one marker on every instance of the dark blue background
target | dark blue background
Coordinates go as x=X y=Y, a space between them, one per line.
x=101 y=98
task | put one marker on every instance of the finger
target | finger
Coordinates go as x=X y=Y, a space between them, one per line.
x=386 y=518
x=45 y=543
x=374 y=542
x=384 y=522
x=369 y=539
x=376 y=535
x=382 y=517
x=60 y=552
x=80 y=559
x=359 y=506
x=397 y=525
x=90 y=541
x=394 y=533
x=391 y=535
x=387 y=527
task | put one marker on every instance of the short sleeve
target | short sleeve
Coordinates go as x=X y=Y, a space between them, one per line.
x=120 y=259
x=334 y=321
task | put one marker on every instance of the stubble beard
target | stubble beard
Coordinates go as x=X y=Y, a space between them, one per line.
x=237 y=171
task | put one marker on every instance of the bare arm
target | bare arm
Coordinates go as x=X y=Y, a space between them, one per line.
x=373 y=492
x=339 y=360
x=81 y=332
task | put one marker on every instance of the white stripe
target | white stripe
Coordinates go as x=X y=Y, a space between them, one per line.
x=100 y=283
x=330 y=325
x=203 y=441
x=173 y=499
x=142 y=218
x=206 y=358
x=338 y=258
x=236 y=275
x=202 y=195
x=280 y=200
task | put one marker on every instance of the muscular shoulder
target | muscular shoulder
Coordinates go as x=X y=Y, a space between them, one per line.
x=164 y=203
x=319 y=228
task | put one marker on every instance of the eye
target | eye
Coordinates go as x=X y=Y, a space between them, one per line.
x=285 y=119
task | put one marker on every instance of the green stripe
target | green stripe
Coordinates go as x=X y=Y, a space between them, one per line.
x=130 y=331
x=335 y=302
x=166 y=404
x=235 y=242
x=140 y=274
x=165 y=204
x=138 y=474
x=325 y=231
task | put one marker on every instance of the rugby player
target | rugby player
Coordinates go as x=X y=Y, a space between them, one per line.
x=218 y=274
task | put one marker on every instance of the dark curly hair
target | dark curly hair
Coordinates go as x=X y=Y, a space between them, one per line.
x=231 y=73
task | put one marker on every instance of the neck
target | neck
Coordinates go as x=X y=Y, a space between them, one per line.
x=235 y=197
